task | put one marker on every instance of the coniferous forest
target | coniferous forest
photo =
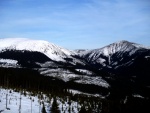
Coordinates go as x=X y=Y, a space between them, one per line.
x=25 y=80
x=74 y=56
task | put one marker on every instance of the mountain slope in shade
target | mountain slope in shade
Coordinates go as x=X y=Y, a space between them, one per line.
x=52 y=51
x=116 y=55
x=127 y=65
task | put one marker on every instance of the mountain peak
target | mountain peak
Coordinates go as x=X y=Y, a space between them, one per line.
x=51 y=50
x=111 y=49
x=123 y=41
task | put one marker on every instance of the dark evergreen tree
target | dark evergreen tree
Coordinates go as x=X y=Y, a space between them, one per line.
x=55 y=108
x=43 y=109
x=82 y=110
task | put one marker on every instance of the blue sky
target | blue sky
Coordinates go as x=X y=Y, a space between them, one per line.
x=74 y=24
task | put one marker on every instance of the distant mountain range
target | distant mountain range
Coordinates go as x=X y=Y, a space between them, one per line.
x=110 y=67
x=79 y=51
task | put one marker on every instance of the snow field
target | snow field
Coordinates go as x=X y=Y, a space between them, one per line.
x=32 y=104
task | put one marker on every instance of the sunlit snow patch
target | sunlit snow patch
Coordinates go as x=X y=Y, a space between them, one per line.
x=8 y=62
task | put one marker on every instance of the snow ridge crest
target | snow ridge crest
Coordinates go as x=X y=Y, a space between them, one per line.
x=51 y=50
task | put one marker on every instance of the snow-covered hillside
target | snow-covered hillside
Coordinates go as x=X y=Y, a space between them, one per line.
x=53 y=51
x=121 y=46
x=14 y=102
x=27 y=103
x=67 y=75
x=9 y=62
x=110 y=56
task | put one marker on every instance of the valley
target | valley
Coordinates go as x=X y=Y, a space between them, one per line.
x=111 y=79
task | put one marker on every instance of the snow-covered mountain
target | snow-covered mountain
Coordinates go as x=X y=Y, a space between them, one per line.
x=108 y=51
x=79 y=51
x=111 y=70
x=127 y=66
x=113 y=56
x=51 y=50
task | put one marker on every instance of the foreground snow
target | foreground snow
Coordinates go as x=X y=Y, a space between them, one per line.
x=31 y=104
x=14 y=102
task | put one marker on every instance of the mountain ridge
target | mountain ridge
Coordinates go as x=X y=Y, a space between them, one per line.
x=109 y=69
x=49 y=49
x=112 y=56
x=113 y=53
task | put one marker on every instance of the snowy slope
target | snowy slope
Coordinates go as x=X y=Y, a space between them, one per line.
x=14 y=101
x=121 y=46
x=9 y=62
x=30 y=103
x=53 y=51
x=67 y=76
x=110 y=55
